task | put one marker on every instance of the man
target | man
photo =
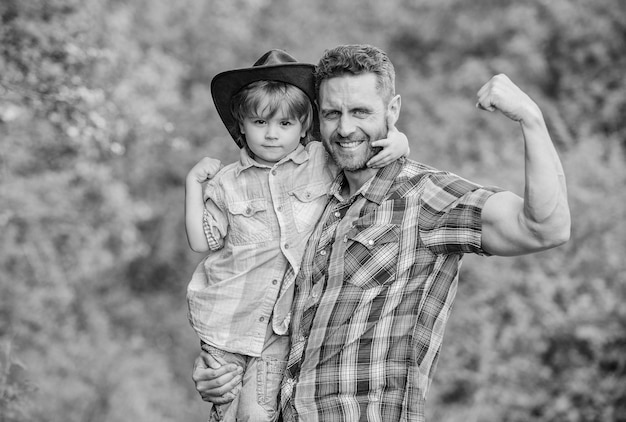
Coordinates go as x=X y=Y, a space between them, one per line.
x=380 y=271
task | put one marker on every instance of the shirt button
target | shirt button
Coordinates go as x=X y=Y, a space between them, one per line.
x=322 y=252
x=274 y=282
x=274 y=172
x=337 y=214
x=370 y=242
x=262 y=319
x=286 y=245
x=280 y=208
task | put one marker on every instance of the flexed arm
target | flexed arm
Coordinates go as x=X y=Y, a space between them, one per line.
x=541 y=220
x=205 y=169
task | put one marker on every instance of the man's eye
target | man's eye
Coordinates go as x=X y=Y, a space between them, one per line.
x=360 y=113
x=329 y=115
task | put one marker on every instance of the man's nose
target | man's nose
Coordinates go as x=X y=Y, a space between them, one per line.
x=346 y=126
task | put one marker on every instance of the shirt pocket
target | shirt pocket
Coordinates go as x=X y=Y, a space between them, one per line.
x=307 y=204
x=249 y=222
x=372 y=257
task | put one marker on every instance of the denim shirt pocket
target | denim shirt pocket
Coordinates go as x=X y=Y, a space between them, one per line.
x=307 y=204
x=371 y=257
x=249 y=222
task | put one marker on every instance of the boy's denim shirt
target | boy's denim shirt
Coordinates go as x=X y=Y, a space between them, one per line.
x=260 y=218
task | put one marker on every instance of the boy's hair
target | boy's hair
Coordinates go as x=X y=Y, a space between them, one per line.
x=356 y=60
x=268 y=98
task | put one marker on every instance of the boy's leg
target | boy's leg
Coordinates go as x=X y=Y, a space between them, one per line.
x=225 y=412
x=262 y=378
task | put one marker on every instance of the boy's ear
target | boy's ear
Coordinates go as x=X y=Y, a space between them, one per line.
x=241 y=129
x=393 y=108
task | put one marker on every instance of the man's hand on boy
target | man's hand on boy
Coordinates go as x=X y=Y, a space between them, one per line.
x=216 y=383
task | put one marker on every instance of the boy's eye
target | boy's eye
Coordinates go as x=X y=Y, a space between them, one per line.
x=286 y=123
x=258 y=121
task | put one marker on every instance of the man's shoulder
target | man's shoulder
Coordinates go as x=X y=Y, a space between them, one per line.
x=412 y=169
x=417 y=179
x=412 y=166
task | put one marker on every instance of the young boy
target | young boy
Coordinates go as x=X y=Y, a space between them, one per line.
x=255 y=217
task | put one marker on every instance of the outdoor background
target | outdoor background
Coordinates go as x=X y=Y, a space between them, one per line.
x=105 y=105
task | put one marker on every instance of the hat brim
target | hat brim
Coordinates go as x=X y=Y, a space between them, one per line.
x=226 y=84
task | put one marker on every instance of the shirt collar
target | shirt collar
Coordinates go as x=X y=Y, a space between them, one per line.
x=375 y=189
x=298 y=156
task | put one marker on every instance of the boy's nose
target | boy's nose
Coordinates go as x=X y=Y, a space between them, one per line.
x=271 y=132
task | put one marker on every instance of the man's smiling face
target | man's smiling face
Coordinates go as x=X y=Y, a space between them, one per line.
x=352 y=114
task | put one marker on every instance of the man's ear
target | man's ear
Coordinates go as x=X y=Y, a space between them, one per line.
x=393 y=108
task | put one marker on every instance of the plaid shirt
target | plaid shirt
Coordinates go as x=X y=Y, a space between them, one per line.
x=259 y=218
x=374 y=292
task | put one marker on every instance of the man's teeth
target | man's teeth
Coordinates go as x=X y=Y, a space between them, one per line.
x=352 y=144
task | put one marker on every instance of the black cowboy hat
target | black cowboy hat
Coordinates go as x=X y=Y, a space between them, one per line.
x=275 y=65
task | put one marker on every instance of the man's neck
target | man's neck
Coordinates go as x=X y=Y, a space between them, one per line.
x=356 y=179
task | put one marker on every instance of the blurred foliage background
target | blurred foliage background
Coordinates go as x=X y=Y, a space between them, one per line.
x=105 y=105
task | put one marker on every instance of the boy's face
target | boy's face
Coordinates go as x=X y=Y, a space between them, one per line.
x=272 y=138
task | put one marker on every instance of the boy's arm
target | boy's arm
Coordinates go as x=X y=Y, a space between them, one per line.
x=396 y=145
x=194 y=202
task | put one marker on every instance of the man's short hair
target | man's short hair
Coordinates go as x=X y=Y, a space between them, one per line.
x=355 y=60
x=266 y=98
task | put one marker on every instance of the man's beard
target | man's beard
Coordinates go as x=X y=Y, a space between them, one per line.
x=351 y=160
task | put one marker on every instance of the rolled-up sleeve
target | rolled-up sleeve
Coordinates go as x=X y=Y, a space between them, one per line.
x=450 y=217
x=214 y=218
